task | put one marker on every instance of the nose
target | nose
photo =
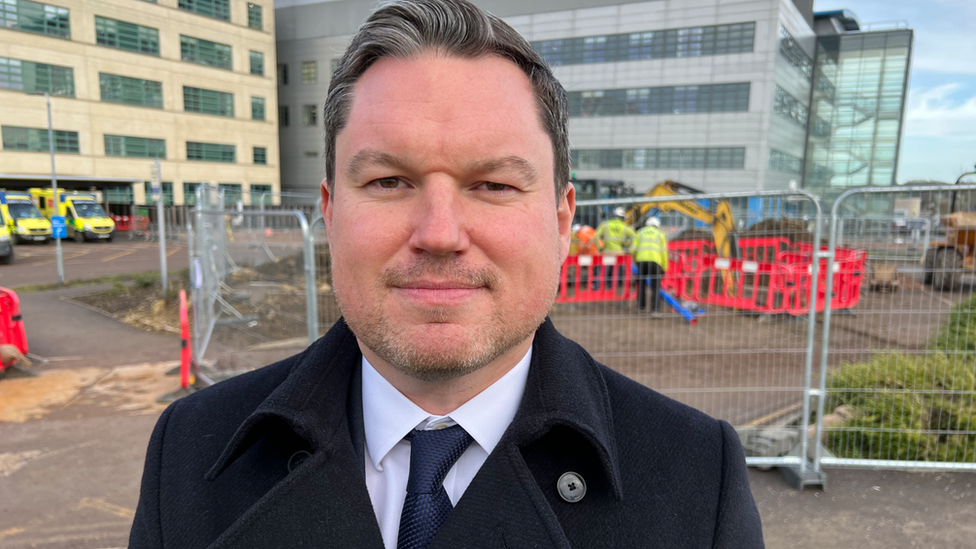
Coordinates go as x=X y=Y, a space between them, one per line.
x=439 y=225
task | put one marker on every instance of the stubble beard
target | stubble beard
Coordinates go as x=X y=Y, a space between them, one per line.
x=482 y=345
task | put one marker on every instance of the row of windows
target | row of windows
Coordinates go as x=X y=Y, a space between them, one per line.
x=686 y=42
x=793 y=53
x=35 y=17
x=149 y=93
x=784 y=163
x=310 y=72
x=790 y=107
x=660 y=159
x=30 y=77
x=137 y=38
x=232 y=193
x=662 y=100
x=35 y=140
x=39 y=18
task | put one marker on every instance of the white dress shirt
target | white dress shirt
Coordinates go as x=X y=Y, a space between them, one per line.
x=388 y=416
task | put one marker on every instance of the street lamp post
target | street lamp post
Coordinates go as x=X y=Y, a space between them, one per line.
x=54 y=184
x=952 y=202
x=964 y=175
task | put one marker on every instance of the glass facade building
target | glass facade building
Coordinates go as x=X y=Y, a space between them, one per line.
x=857 y=108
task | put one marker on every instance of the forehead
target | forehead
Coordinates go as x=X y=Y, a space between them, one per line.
x=445 y=100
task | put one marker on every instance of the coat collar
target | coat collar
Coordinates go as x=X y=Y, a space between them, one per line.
x=564 y=387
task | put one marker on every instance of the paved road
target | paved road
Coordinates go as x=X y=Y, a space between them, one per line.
x=36 y=263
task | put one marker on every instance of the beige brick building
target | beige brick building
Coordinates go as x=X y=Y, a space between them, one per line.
x=191 y=82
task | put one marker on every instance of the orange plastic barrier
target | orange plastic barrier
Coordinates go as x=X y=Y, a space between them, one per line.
x=11 y=325
x=186 y=352
x=583 y=279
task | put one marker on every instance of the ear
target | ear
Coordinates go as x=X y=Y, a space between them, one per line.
x=565 y=212
x=326 y=205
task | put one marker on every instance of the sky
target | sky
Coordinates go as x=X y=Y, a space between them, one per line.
x=939 y=135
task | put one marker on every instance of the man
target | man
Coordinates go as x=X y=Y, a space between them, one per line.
x=444 y=410
x=650 y=251
x=614 y=237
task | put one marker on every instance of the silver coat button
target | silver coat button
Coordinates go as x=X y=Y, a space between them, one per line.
x=571 y=487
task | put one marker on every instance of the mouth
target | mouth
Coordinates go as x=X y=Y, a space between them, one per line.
x=438 y=292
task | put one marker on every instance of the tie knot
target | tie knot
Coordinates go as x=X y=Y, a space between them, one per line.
x=432 y=454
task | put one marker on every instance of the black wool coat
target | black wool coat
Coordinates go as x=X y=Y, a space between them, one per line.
x=224 y=465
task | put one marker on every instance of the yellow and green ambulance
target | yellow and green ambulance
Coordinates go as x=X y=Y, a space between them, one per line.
x=24 y=221
x=83 y=215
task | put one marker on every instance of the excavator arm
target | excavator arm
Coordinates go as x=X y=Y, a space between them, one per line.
x=720 y=219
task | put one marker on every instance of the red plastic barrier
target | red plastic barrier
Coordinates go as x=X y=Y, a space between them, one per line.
x=186 y=352
x=11 y=325
x=582 y=279
x=772 y=276
x=122 y=223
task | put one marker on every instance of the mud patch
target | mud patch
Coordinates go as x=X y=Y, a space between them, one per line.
x=23 y=399
x=128 y=389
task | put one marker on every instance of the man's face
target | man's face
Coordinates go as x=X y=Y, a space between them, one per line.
x=445 y=234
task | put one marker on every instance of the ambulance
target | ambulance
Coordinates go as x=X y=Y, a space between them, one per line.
x=6 y=245
x=83 y=215
x=24 y=220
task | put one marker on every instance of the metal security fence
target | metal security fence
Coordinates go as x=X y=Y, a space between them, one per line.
x=733 y=336
x=853 y=346
x=898 y=372
x=255 y=284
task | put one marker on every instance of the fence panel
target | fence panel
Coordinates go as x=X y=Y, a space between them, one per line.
x=734 y=337
x=898 y=372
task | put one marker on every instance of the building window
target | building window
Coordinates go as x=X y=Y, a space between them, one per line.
x=218 y=9
x=283 y=117
x=190 y=193
x=254 y=18
x=138 y=147
x=310 y=72
x=131 y=91
x=30 y=77
x=34 y=17
x=261 y=193
x=662 y=100
x=784 y=163
x=730 y=158
x=211 y=152
x=261 y=155
x=257 y=63
x=205 y=52
x=283 y=74
x=208 y=101
x=232 y=193
x=309 y=116
x=35 y=140
x=118 y=195
x=257 y=108
x=685 y=42
x=794 y=54
x=790 y=107
x=126 y=36
x=167 y=191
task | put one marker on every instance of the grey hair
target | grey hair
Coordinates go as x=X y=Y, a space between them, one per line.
x=404 y=28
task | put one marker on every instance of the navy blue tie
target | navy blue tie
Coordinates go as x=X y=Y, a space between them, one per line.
x=426 y=507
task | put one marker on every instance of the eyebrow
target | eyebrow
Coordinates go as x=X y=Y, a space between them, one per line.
x=368 y=157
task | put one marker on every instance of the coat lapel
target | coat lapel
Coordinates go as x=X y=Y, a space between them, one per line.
x=323 y=502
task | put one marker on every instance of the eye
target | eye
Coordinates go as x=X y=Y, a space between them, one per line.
x=387 y=183
x=496 y=187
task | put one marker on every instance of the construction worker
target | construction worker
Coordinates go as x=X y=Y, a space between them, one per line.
x=588 y=244
x=614 y=238
x=650 y=251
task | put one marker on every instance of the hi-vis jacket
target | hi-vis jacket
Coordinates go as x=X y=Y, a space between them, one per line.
x=616 y=236
x=651 y=245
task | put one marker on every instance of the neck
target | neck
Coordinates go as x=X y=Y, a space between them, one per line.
x=440 y=398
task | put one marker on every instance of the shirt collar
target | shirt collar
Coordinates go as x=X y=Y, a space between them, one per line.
x=388 y=415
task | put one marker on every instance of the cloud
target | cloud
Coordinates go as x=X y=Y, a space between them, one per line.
x=934 y=113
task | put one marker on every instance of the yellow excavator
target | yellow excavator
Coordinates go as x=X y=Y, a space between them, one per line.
x=719 y=219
